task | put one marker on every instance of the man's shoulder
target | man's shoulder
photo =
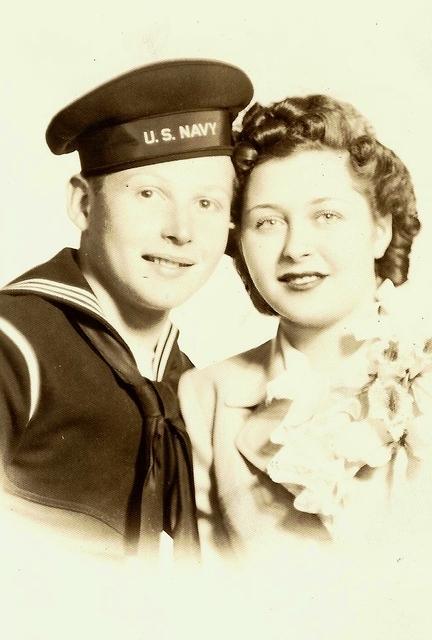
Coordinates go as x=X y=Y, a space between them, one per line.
x=60 y=267
x=26 y=309
x=37 y=296
x=41 y=322
x=22 y=307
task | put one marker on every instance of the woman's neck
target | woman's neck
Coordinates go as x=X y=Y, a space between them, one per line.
x=326 y=347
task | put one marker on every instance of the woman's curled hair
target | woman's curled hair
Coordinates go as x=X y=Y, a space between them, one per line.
x=321 y=122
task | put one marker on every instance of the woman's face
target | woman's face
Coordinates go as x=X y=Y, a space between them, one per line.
x=310 y=239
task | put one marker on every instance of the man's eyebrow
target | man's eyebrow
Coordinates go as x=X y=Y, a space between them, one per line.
x=215 y=187
x=139 y=177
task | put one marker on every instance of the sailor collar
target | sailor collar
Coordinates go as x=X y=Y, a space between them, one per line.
x=61 y=280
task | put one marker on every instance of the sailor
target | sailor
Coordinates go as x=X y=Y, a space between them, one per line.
x=92 y=440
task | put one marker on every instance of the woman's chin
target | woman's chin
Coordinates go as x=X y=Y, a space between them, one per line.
x=307 y=321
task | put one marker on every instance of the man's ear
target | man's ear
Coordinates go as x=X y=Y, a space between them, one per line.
x=79 y=193
x=383 y=236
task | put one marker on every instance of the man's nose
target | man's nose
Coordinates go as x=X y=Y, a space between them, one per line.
x=298 y=242
x=178 y=225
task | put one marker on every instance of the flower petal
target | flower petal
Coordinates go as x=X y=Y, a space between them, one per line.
x=422 y=392
x=419 y=438
x=390 y=402
x=361 y=443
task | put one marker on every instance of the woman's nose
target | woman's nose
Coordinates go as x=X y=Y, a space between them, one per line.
x=298 y=242
x=178 y=226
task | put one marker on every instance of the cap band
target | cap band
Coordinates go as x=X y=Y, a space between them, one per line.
x=155 y=139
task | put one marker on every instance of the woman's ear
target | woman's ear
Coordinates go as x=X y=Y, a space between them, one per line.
x=383 y=234
x=79 y=201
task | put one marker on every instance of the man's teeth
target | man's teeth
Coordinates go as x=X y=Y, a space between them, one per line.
x=166 y=261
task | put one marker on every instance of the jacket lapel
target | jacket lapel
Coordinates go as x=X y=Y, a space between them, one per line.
x=244 y=404
x=246 y=386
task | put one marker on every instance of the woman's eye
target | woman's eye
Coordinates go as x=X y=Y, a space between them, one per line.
x=269 y=223
x=328 y=216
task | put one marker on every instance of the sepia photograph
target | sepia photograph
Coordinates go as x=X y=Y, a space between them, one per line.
x=215 y=321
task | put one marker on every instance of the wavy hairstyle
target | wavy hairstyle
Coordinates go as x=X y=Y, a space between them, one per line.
x=321 y=122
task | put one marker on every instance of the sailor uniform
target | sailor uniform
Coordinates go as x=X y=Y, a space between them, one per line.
x=71 y=424
x=83 y=432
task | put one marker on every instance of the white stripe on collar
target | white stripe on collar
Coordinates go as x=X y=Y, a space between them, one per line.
x=88 y=301
x=59 y=290
x=164 y=347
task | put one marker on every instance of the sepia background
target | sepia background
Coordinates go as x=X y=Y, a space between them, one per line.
x=377 y=55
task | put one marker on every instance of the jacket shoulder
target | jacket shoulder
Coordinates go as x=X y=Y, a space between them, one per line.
x=229 y=372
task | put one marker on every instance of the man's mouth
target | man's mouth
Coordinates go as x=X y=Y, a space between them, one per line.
x=168 y=261
x=302 y=281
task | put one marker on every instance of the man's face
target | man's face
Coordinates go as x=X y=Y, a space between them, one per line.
x=154 y=234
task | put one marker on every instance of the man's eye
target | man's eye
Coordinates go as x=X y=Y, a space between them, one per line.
x=205 y=203
x=147 y=193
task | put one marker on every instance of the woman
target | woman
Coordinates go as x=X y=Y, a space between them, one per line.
x=312 y=437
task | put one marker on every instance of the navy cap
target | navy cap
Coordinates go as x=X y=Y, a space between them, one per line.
x=157 y=113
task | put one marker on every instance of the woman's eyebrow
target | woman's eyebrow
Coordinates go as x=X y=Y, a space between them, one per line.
x=327 y=199
x=280 y=209
x=323 y=199
x=265 y=205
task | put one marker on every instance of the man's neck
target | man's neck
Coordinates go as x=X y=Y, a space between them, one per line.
x=139 y=327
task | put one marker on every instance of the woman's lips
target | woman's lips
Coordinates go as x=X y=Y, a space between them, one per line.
x=302 y=281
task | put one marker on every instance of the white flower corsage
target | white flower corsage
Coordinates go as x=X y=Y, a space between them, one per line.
x=388 y=416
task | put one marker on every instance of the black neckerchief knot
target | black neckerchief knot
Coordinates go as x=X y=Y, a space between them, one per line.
x=163 y=497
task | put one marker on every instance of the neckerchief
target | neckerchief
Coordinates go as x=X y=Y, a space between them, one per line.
x=164 y=478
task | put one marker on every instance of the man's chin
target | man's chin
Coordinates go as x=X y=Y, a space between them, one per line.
x=158 y=296
x=155 y=305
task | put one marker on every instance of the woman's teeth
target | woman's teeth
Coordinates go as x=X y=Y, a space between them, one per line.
x=303 y=279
